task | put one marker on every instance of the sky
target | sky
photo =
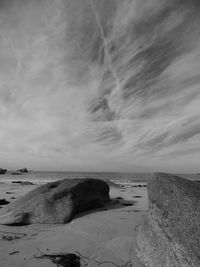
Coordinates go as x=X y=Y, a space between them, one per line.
x=91 y=85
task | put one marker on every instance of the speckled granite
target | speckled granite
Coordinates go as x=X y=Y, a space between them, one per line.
x=170 y=234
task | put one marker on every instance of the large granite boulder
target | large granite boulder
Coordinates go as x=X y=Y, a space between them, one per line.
x=170 y=234
x=3 y=171
x=56 y=202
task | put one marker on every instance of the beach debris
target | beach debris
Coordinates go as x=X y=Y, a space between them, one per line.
x=76 y=259
x=10 y=236
x=22 y=182
x=56 y=202
x=4 y=202
x=139 y=185
x=14 y=252
x=64 y=260
x=61 y=259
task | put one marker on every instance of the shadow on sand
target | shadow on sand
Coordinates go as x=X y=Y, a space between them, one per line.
x=114 y=203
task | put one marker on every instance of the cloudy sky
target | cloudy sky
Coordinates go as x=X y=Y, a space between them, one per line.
x=100 y=85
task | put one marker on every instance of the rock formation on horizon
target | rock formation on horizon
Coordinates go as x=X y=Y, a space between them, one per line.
x=170 y=234
x=56 y=202
x=24 y=170
x=3 y=171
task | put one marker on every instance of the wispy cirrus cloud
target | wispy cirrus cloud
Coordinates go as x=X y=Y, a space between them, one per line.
x=107 y=85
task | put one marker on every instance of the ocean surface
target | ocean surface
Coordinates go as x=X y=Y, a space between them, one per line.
x=44 y=176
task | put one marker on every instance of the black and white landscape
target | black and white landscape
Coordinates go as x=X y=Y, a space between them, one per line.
x=99 y=89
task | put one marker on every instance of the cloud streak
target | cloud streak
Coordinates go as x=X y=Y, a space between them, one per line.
x=100 y=85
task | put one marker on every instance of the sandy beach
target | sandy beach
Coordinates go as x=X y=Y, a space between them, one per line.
x=94 y=92
x=104 y=237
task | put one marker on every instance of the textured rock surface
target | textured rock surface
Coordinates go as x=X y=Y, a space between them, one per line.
x=170 y=234
x=56 y=202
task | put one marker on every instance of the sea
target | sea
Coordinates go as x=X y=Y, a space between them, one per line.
x=41 y=177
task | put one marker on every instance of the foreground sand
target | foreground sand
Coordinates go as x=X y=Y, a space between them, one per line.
x=104 y=237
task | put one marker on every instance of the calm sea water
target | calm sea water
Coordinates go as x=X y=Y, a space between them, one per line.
x=44 y=177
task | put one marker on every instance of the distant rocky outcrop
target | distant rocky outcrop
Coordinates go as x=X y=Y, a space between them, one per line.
x=24 y=170
x=56 y=202
x=3 y=171
x=170 y=234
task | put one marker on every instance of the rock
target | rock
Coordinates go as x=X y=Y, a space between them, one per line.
x=3 y=171
x=56 y=202
x=4 y=202
x=24 y=170
x=16 y=173
x=170 y=234
x=22 y=182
